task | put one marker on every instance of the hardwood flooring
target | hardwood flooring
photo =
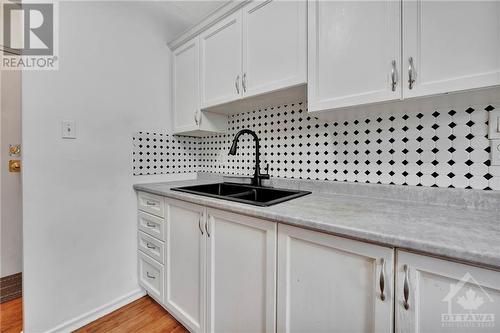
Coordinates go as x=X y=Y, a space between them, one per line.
x=143 y=315
x=11 y=316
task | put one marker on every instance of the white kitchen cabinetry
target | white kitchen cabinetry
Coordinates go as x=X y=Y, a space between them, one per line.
x=241 y=267
x=436 y=295
x=453 y=46
x=251 y=54
x=332 y=284
x=187 y=116
x=274 y=46
x=185 y=264
x=355 y=48
x=354 y=53
x=221 y=62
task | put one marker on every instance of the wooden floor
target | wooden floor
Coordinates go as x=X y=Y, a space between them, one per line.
x=143 y=315
x=11 y=316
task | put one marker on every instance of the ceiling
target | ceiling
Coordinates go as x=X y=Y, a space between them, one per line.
x=178 y=16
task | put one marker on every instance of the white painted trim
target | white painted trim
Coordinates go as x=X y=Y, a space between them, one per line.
x=98 y=312
x=214 y=17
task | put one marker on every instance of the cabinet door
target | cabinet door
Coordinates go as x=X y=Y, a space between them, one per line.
x=332 y=284
x=221 y=62
x=354 y=53
x=185 y=86
x=241 y=265
x=185 y=264
x=444 y=296
x=455 y=45
x=274 y=51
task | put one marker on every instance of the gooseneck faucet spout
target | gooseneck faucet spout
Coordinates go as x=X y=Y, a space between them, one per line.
x=257 y=177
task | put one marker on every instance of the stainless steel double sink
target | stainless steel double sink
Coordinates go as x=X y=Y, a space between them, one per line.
x=253 y=195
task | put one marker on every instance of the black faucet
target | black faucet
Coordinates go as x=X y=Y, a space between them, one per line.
x=257 y=177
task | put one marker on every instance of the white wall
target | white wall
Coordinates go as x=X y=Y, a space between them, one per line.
x=79 y=206
x=10 y=185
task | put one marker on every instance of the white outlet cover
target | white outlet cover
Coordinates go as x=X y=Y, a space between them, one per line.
x=494 y=124
x=68 y=129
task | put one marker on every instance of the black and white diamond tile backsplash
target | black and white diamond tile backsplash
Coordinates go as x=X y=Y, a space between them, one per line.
x=441 y=148
x=159 y=153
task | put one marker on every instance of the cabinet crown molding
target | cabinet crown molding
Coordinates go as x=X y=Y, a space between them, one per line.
x=212 y=18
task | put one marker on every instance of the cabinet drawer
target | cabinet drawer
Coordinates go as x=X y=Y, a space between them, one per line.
x=151 y=225
x=151 y=275
x=153 y=204
x=151 y=246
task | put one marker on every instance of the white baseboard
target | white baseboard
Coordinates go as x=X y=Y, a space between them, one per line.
x=97 y=313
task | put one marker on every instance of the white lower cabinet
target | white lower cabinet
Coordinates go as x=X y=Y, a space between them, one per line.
x=222 y=272
x=332 y=284
x=151 y=276
x=436 y=295
x=241 y=267
x=185 y=264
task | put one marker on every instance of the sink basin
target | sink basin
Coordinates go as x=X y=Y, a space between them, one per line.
x=253 y=195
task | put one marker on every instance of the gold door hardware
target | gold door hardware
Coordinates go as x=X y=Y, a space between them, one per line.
x=14 y=166
x=14 y=150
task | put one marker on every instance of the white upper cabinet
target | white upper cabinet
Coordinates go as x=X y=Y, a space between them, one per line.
x=221 y=61
x=185 y=74
x=453 y=46
x=331 y=284
x=187 y=116
x=274 y=46
x=435 y=295
x=241 y=267
x=354 y=53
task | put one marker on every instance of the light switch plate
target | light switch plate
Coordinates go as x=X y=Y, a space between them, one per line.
x=494 y=124
x=68 y=129
x=495 y=152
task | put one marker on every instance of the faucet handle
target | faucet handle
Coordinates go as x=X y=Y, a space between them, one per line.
x=266 y=175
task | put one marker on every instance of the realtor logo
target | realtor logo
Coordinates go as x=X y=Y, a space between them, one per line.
x=470 y=297
x=29 y=36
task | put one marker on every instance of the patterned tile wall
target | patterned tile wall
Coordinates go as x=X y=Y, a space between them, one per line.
x=159 y=153
x=441 y=148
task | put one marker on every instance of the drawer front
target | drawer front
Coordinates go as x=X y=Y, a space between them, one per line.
x=153 y=204
x=151 y=246
x=152 y=225
x=151 y=275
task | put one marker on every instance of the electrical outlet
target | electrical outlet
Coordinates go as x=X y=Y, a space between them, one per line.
x=494 y=124
x=495 y=152
x=68 y=129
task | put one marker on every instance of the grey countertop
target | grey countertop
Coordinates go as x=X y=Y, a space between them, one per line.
x=451 y=231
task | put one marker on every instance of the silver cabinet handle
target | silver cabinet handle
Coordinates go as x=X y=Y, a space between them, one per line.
x=237 y=83
x=199 y=225
x=149 y=246
x=244 y=82
x=206 y=228
x=406 y=288
x=151 y=225
x=196 y=118
x=382 y=279
x=150 y=203
x=150 y=276
x=394 y=78
x=411 y=73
